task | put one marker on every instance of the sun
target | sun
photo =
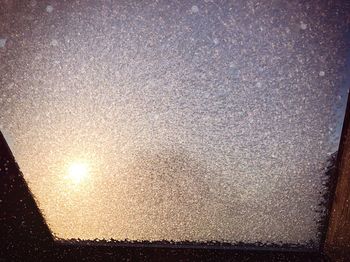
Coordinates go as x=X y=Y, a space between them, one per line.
x=77 y=172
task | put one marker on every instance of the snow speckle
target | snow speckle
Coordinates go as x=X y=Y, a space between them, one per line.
x=3 y=42
x=322 y=73
x=33 y=3
x=303 y=26
x=49 y=8
x=258 y=84
x=54 y=42
x=194 y=9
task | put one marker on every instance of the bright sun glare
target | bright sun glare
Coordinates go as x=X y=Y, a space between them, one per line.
x=77 y=172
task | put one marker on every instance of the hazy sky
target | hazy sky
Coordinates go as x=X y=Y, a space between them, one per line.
x=176 y=120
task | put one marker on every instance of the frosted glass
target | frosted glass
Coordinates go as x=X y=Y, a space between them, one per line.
x=174 y=120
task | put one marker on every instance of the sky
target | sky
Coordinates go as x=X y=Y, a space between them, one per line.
x=175 y=120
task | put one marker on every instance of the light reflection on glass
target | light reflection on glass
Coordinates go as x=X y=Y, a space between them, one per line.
x=77 y=172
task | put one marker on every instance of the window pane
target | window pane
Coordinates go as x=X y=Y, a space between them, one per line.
x=171 y=120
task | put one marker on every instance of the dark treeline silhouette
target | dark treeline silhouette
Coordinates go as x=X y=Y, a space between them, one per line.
x=24 y=232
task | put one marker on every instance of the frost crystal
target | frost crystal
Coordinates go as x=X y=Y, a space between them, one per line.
x=147 y=122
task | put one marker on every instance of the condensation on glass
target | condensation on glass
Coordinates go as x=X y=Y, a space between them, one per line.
x=190 y=120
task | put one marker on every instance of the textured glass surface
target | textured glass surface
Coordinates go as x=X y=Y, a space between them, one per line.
x=176 y=120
